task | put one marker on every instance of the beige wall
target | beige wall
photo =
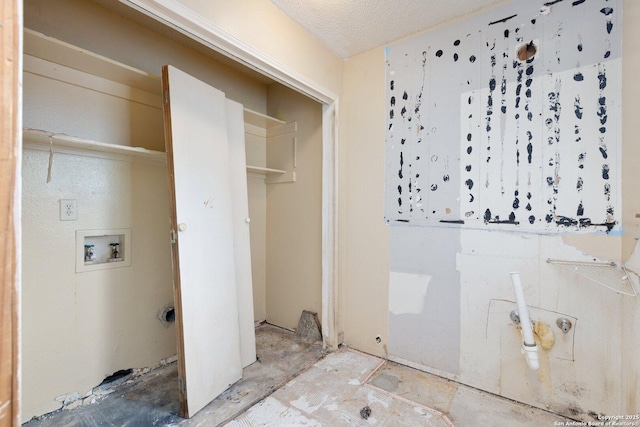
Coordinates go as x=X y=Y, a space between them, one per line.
x=263 y=26
x=364 y=237
x=630 y=349
x=294 y=213
x=92 y=27
x=79 y=328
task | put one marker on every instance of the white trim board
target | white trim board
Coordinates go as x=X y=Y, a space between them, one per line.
x=183 y=19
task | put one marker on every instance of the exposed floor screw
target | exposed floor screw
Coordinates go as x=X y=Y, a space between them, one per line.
x=365 y=412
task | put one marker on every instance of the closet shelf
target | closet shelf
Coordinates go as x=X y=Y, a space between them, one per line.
x=55 y=51
x=264 y=171
x=42 y=140
x=261 y=120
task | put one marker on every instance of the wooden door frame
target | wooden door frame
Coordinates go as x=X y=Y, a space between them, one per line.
x=183 y=19
x=10 y=199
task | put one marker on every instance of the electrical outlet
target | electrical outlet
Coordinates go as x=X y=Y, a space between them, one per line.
x=68 y=210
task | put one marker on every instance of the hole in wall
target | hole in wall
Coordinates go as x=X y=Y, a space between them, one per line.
x=378 y=339
x=167 y=315
x=117 y=376
x=526 y=51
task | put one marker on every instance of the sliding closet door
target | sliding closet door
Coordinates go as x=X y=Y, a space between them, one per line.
x=242 y=239
x=205 y=291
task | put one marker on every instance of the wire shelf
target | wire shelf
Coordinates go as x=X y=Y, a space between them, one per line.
x=607 y=274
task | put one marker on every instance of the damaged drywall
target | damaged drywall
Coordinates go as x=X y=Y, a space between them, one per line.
x=424 y=295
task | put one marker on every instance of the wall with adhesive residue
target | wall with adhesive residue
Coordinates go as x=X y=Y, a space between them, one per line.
x=482 y=138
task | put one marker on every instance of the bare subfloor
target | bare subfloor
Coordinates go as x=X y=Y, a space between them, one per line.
x=298 y=384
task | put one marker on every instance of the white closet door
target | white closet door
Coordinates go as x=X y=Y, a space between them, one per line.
x=242 y=239
x=206 y=298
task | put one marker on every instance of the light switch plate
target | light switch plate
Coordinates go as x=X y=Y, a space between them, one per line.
x=68 y=210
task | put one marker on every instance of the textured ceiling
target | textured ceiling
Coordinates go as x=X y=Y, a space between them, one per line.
x=349 y=27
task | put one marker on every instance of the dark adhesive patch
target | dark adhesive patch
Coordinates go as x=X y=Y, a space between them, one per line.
x=439 y=53
x=606 y=11
x=578 y=77
x=487 y=216
x=603 y=151
x=580 y=210
x=503 y=20
x=577 y=107
x=472 y=59
x=469 y=183
x=509 y=221
x=605 y=171
x=602 y=114
x=577 y=2
x=602 y=79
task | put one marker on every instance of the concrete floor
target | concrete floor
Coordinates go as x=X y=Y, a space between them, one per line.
x=298 y=384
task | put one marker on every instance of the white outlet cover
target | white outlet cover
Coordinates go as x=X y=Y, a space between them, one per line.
x=68 y=210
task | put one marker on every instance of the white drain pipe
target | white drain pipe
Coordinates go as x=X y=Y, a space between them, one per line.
x=529 y=347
